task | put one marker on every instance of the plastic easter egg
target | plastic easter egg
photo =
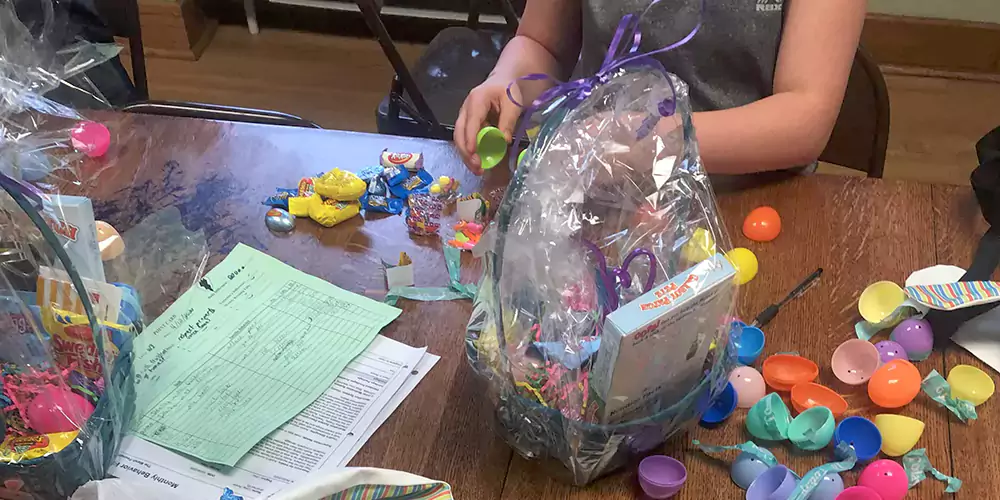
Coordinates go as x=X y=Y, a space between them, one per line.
x=971 y=384
x=721 y=408
x=895 y=384
x=855 y=361
x=859 y=493
x=90 y=138
x=762 y=224
x=889 y=350
x=745 y=469
x=885 y=477
x=784 y=371
x=769 y=418
x=899 y=434
x=813 y=429
x=861 y=434
x=661 y=476
x=778 y=482
x=745 y=263
x=916 y=337
x=750 y=345
x=56 y=409
x=748 y=384
x=811 y=394
x=880 y=300
x=828 y=489
x=700 y=247
x=491 y=146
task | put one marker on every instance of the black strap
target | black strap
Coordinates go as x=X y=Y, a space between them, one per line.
x=986 y=183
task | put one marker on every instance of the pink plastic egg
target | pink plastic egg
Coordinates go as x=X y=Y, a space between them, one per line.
x=749 y=385
x=886 y=477
x=855 y=361
x=859 y=493
x=57 y=409
x=91 y=138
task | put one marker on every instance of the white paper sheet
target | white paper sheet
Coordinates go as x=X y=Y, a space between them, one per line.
x=328 y=430
x=979 y=337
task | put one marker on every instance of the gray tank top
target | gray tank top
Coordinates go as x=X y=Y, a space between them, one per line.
x=729 y=63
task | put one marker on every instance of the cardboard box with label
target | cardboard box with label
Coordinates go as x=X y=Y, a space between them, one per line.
x=653 y=349
x=72 y=219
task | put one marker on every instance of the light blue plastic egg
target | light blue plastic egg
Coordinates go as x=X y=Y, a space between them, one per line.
x=831 y=486
x=745 y=469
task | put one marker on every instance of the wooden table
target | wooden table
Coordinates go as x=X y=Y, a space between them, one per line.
x=858 y=230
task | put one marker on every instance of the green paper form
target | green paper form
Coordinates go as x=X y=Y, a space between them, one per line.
x=242 y=352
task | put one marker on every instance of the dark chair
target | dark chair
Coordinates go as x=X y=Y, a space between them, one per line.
x=860 y=137
x=122 y=17
x=425 y=102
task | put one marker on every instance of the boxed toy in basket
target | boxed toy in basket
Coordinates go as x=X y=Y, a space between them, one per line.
x=71 y=296
x=602 y=319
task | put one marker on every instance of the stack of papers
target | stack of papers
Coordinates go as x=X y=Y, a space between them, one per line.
x=327 y=434
x=252 y=376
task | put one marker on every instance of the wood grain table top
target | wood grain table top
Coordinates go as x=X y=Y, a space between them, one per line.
x=858 y=230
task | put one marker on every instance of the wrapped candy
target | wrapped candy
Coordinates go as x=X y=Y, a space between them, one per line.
x=599 y=336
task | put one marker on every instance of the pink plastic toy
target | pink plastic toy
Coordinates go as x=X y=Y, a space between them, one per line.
x=56 y=409
x=91 y=138
x=886 y=477
x=859 y=493
x=749 y=385
x=855 y=361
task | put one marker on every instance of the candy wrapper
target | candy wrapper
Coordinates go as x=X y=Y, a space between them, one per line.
x=599 y=337
x=67 y=392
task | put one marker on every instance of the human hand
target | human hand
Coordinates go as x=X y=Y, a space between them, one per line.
x=487 y=101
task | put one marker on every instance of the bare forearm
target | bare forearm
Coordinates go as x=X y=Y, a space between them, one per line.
x=524 y=56
x=780 y=131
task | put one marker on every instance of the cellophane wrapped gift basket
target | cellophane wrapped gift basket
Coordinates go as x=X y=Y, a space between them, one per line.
x=72 y=288
x=602 y=321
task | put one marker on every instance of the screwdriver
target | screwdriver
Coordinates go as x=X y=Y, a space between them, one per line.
x=768 y=314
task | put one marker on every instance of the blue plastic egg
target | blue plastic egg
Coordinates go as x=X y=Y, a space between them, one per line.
x=745 y=469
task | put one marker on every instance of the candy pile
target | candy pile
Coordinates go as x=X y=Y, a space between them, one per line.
x=328 y=199
x=423 y=216
x=390 y=184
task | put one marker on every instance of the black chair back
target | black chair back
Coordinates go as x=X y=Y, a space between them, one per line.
x=122 y=17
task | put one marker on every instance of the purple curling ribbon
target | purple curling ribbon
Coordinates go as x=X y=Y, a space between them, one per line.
x=572 y=93
x=611 y=278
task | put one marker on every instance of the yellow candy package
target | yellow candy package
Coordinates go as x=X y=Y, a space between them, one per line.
x=20 y=448
x=73 y=343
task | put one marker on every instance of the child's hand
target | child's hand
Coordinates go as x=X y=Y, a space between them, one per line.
x=488 y=100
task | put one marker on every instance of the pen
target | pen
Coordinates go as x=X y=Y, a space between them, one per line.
x=768 y=314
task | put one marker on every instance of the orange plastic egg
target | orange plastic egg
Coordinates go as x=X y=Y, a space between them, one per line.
x=784 y=371
x=762 y=224
x=894 y=384
x=810 y=394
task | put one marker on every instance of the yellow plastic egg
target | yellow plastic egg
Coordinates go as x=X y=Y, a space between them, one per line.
x=700 y=247
x=971 y=384
x=444 y=180
x=745 y=263
x=435 y=189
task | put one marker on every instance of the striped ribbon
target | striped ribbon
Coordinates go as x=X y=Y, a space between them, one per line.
x=950 y=296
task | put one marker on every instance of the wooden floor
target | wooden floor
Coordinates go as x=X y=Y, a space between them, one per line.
x=338 y=82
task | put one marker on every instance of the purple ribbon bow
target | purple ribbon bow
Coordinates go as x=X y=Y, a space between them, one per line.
x=575 y=91
x=611 y=278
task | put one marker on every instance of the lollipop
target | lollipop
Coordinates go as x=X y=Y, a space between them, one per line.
x=885 y=477
x=855 y=361
x=748 y=384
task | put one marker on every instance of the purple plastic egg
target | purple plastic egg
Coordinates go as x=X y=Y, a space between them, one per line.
x=916 y=337
x=889 y=350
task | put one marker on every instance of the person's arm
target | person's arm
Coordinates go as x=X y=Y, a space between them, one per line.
x=547 y=41
x=791 y=127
